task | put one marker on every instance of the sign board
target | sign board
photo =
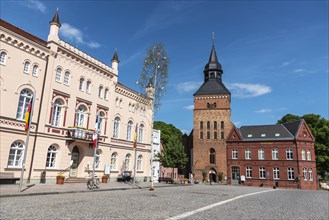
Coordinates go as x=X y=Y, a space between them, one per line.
x=107 y=169
x=243 y=178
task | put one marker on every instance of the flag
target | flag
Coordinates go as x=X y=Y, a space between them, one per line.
x=28 y=116
x=135 y=137
x=95 y=135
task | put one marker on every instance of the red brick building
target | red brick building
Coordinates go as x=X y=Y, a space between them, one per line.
x=279 y=155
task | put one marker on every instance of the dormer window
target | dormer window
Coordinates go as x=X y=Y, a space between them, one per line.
x=249 y=135
x=263 y=135
x=277 y=135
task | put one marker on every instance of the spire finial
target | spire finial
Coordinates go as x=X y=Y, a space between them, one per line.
x=213 y=38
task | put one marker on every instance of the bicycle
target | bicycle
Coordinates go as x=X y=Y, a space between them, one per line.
x=93 y=182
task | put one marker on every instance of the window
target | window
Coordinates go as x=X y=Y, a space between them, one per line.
x=201 y=124
x=262 y=173
x=88 y=86
x=248 y=154
x=234 y=154
x=129 y=129
x=127 y=161
x=101 y=121
x=120 y=104
x=215 y=125
x=212 y=156
x=106 y=93
x=222 y=135
x=305 y=173
x=139 y=162
x=261 y=154
x=129 y=107
x=117 y=102
x=100 y=92
x=58 y=75
x=291 y=175
x=81 y=83
x=303 y=155
x=276 y=173
x=140 y=133
x=3 y=57
x=222 y=125
x=114 y=160
x=309 y=157
x=80 y=116
x=215 y=135
x=66 y=78
x=35 y=70
x=24 y=100
x=116 y=127
x=275 y=154
x=208 y=135
x=201 y=135
x=289 y=154
x=51 y=157
x=208 y=124
x=16 y=154
x=310 y=174
x=26 y=67
x=248 y=172
x=57 y=109
x=97 y=158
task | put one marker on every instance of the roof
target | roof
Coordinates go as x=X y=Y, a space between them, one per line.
x=55 y=19
x=292 y=126
x=22 y=33
x=265 y=133
x=213 y=63
x=212 y=87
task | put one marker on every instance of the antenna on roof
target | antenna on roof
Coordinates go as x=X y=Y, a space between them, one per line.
x=213 y=39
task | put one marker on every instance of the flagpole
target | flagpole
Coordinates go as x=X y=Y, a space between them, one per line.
x=96 y=146
x=135 y=146
x=27 y=144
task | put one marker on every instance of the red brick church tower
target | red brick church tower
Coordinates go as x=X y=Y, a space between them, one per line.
x=211 y=124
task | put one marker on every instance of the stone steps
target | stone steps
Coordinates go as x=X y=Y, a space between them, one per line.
x=75 y=180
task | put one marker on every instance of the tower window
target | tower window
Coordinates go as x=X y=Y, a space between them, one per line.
x=201 y=124
x=208 y=124
x=208 y=135
x=201 y=135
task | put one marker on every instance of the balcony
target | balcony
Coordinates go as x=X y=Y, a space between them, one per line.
x=80 y=134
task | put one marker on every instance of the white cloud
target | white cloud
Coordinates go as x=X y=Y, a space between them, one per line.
x=189 y=107
x=244 y=90
x=75 y=35
x=299 y=70
x=35 y=4
x=264 y=110
x=188 y=86
x=287 y=63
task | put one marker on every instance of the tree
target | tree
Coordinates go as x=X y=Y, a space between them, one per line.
x=172 y=154
x=320 y=130
x=155 y=70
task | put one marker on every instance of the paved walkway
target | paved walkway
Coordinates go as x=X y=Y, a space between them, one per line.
x=11 y=190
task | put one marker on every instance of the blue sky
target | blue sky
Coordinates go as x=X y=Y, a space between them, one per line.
x=274 y=54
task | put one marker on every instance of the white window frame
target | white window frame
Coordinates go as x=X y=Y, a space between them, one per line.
x=289 y=154
x=129 y=131
x=3 y=57
x=116 y=127
x=24 y=101
x=127 y=162
x=248 y=154
x=81 y=84
x=16 y=151
x=261 y=154
x=276 y=173
x=262 y=173
x=114 y=158
x=309 y=155
x=57 y=113
x=275 y=154
x=310 y=174
x=58 y=75
x=51 y=157
x=234 y=153
x=26 y=68
x=100 y=92
x=303 y=154
x=140 y=133
x=88 y=86
x=106 y=94
x=291 y=173
x=80 y=116
x=66 y=80
x=305 y=173
x=139 y=162
x=35 y=70
x=248 y=172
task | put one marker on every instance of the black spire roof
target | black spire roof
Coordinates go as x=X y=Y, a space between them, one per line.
x=115 y=57
x=213 y=63
x=55 y=19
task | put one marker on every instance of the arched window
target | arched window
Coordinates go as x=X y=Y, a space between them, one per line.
x=58 y=75
x=116 y=127
x=80 y=116
x=35 y=70
x=97 y=158
x=120 y=103
x=208 y=135
x=81 y=84
x=222 y=135
x=127 y=162
x=129 y=129
x=101 y=121
x=309 y=156
x=140 y=133
x=117 y=102
x=303 y=155
x=88 y=86
x=139 y=162
x=24 y=101
x=57 y=112
x=66 y=78
x=212 y=156
x=201 y=135
x=201 y=124
x=106 y=93
x=27 y=67
x=215 y=135
x=215 y=125
x=208 y=124
x=114 y=157
x=3 y=58
x=222 y=124
x=16 y=154
x=51 y=157
x=100 y=92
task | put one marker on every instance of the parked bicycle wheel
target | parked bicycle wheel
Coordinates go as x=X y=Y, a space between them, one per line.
x=97 y=183
x=90 y=184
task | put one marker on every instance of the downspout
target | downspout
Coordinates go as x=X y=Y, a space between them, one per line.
x=38 y=120
x=298 y=176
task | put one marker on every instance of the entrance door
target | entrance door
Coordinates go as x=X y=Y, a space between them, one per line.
x=75 y=162
x=235 y=175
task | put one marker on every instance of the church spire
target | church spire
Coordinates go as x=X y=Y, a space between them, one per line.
x=55 y=19
x=213 y=69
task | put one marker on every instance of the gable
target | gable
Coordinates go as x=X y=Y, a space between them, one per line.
x=234 y=135
x=304 y=133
